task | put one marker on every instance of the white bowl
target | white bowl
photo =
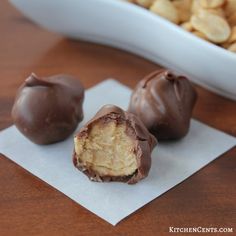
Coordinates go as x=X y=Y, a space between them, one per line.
x=132 y=28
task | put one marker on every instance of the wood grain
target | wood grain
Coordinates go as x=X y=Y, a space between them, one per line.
x=28 y=206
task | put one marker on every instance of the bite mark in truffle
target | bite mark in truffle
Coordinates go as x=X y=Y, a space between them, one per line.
x=48 y=110
x=164 y=102
x=114 y=146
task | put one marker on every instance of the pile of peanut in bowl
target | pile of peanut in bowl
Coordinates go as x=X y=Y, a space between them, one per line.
x=211 y=20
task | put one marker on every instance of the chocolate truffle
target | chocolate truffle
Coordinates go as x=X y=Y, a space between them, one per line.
x=48 y=110
x=114 y=146
x=164 y=102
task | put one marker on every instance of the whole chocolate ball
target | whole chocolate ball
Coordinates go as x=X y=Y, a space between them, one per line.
x=164 y=102
x=48 y=110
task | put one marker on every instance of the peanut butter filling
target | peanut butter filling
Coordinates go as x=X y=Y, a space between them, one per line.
x=107 y=150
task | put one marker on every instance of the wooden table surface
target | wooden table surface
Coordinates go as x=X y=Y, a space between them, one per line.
x=28 y=206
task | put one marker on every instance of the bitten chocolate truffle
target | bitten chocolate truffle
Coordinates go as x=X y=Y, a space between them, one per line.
x=164 y=103
x=114 y=146
x=48 y=110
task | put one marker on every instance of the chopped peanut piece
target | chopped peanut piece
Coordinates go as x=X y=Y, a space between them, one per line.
x=232 y=19
x=232 y=47
x=214 y=27
x=184 y=9
x=225 y=45
x=187 y=26
x=211 y=3
x=232 y=38
x=230 y=7
x=217 y=11
x=200 y=34
x=196 y=7
x=144 y=3
x=166 y=9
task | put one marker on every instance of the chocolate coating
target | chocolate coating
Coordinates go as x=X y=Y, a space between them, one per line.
x=143 y=144
x=164 y=102
x=48 y=110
